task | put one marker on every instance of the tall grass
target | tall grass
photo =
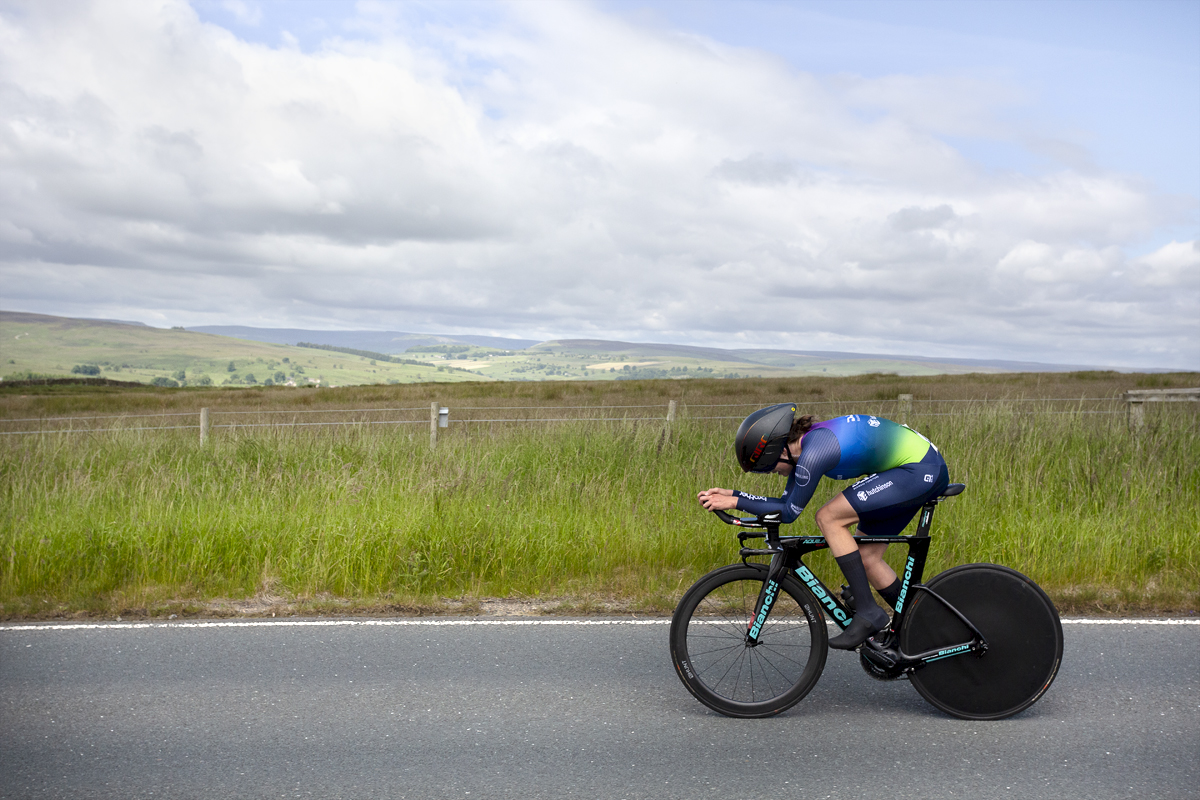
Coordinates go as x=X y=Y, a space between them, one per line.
x=102 y=522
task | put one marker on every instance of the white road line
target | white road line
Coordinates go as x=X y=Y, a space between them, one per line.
x=1131 y=622
x=439 y=623
x=328 y=623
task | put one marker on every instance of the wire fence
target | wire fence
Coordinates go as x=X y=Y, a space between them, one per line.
x=900 y=408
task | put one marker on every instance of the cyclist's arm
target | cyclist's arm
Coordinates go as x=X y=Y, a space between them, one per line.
x=819 y=453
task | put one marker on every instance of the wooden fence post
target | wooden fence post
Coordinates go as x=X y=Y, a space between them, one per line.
x=1137 y=398
x=1137 y=413
x=905 y=401
x=203 y=425
x=671 y=411
x=433 y=420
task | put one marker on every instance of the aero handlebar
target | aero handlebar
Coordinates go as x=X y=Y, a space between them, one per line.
x=763 y=521
x=768 y=523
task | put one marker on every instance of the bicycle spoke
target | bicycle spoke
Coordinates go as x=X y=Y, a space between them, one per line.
x=736 y=662
x=718 y=663
x=797 y=662
x=773 y=666
x=762 y=672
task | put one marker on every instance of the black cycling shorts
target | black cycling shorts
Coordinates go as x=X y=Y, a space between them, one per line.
x=887 y=501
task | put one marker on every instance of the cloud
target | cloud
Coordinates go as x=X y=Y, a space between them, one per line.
x=1175 y=265
x=243 y=12
x=916 y=219
x=555 y=171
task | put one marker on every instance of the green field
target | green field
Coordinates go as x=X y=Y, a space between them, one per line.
x=572 y=516
x=40 y=345
x=54 y=346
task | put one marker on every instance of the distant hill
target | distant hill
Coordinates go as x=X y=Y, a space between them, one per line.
x=636 y=349
x=806 y=359
x=797 y=357
x=390 y=342
x=39 y=346
x=395 y=342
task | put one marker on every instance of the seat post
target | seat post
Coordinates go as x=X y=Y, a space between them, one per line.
x=926 y=519
x=927 y=510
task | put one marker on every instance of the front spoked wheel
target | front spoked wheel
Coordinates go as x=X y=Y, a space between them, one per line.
x=718 y=666
x=1022 y=629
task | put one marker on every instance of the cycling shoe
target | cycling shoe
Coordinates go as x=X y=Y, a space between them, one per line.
x=859 y=630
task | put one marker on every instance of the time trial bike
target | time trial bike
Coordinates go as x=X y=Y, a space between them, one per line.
x=978 y=641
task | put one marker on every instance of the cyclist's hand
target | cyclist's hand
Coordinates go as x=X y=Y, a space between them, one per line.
x=717 y=499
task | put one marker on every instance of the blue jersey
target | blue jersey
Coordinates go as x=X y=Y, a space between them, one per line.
x=841 y=448
x=869 y=444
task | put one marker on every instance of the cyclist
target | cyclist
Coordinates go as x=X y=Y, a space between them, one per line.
x=903 y=469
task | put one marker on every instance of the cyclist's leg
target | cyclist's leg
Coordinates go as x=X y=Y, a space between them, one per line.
x=879 y=573
x=892 y=499
x=834 y=519
x=882 y=576
x=882 y=505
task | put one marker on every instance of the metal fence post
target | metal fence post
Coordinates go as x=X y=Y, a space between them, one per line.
x=905 y=401
x=203 y=425
x=433 y=420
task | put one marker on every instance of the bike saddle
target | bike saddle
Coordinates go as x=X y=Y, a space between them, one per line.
x=953 y=489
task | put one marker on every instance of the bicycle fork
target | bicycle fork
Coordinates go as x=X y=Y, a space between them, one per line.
x=778 y=568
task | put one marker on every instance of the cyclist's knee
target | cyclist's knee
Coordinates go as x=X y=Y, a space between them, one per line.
x=826 y=520
x=834 y=515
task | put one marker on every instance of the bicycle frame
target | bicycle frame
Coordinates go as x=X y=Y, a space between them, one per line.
x=787 y=555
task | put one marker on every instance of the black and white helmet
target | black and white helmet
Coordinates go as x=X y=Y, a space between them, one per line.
x=762 y=437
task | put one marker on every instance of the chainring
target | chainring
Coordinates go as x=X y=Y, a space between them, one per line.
x=878 y=671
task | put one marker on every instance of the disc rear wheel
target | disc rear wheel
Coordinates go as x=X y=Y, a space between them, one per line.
x=1023 y=633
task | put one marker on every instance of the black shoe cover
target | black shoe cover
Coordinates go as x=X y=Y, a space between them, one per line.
x=859 y=631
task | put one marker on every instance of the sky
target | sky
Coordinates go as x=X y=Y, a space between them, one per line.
x=990 y=179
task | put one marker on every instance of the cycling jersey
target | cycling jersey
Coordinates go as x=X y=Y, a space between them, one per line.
x=850 y=447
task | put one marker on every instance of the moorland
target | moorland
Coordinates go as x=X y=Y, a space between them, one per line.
x=40 y=346
x=595 y=512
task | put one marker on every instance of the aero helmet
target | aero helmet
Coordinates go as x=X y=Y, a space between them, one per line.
x=762 y=437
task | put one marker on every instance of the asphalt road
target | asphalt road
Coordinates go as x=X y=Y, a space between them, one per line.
x=556 y=710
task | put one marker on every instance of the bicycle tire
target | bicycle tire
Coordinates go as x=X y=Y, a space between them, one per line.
x=1022 y=629
x=712 y=658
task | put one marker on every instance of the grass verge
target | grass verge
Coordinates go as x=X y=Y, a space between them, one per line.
x=571 y=518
